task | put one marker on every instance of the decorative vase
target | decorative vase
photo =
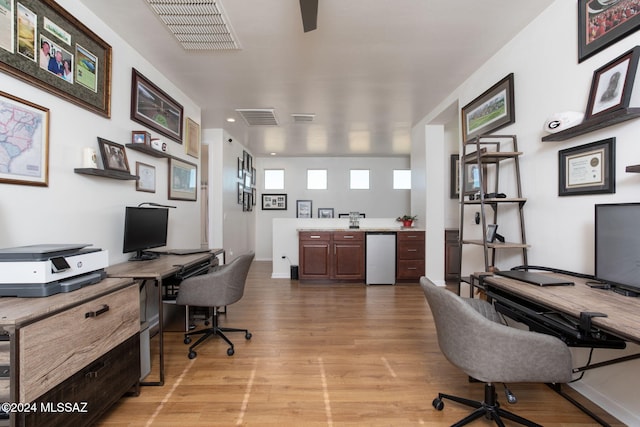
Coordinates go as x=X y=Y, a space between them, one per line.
x=406 y=223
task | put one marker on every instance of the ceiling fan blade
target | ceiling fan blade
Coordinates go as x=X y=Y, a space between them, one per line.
x=309 y=10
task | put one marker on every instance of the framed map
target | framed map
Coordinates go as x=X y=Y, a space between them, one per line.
x=24 y=133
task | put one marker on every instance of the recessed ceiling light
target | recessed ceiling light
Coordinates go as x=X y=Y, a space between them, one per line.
x=273 y=154
x=231 y=120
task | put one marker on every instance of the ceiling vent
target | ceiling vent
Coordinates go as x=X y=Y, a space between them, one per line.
x=258 y=116
x=303 y=118
x=197 y=24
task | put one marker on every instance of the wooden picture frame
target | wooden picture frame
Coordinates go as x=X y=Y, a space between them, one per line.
x=594 y=34
x=33 y=154
x=43 y=27
x=146 y=177
x=274 y=202
x=114 y=156
x=587 y=169
x=141 y=137
x=183 y=180
x=304 y=209
x=612 y=85
x=492 y=110
x=152 y=107
x=192 y=138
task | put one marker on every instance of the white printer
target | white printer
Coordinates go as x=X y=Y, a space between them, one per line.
x=43 y=270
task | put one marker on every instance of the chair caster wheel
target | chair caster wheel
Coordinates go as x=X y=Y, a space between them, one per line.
x=230 y=351
x=248 y=335
x=192 y=354
x=187 y=340
x=438 y=404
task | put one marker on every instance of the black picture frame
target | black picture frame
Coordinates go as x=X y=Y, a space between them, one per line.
x=325 y=212
x=492 y=110
x=592 y=38
x=274 y=202
x=612 y=85
x=114 y=155
x=154 y=108
x=454 y=176
x=89 y=83
x=304 y=209
x=587 y=169
x=491 y=232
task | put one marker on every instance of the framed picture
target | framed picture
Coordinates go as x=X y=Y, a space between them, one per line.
x=303 y=209
x=472 y=178
x=183 y=180
x=247 y=180
x=246 y=202
x=274 y=202
x=29 y=163
x=454 y=177
x=192 y=138
x=146 y=177
x=253 y=196
x=346 y=215
x=155 y=109
x=587 y=169
x=492 y=110
x=114 y=156
x=240 y=193
x=612 y=84
x=56 y=52
x=325 y=212
x=240 y=167
x=597 y=29
x=491 y=232
x=141 y=137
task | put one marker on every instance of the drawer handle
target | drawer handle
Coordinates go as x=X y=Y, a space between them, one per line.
x=314 y=237
x=95 y=370
x=412 y=250
x=97 y=313
x=412 y=268
x=348 y=237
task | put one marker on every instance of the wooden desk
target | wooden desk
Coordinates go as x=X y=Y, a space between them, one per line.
x=158 y=269
x=623 y=313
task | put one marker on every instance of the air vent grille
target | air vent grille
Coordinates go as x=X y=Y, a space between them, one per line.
x=258 y=116
x=196 y=24
x=303 y=118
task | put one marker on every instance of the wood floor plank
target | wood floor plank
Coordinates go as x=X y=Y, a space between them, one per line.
x=322 y=355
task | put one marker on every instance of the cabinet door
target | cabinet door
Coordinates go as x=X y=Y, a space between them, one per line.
x=348 y=260
x=314 y=259
x=451 y=255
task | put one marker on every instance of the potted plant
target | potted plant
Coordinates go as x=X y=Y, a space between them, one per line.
x=407 y=220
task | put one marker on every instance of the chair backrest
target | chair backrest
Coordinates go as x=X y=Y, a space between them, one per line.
x=490 y=351
x=223 y=286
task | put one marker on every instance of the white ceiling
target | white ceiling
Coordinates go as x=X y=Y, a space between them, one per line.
x=371 y=70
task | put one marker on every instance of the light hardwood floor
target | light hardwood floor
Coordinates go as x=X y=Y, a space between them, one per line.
x=322 y=355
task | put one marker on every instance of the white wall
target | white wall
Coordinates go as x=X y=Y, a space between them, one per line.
x=83 y=209
x=548 y=79
x=380 y=201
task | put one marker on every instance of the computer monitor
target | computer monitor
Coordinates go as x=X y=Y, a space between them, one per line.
x=617 y=246
x=144 y=228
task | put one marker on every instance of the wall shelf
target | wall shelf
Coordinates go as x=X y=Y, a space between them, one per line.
x=633 y=168
x=107 y=174
x=594 y=124
x=148 y=150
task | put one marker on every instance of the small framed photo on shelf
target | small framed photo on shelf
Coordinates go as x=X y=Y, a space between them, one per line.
x=303 y=209
x=587 y=169
x=274 y=202
x=146 y=177
x=491 y=232
x=141 y=137
x=325 y=212
x=113 y=155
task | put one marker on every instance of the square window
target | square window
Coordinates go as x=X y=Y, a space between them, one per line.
x=359 y=179
x=402 y=179
x=316 y=179
x=274 y=179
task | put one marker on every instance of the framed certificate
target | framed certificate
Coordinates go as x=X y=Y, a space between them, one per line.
x=587 y=169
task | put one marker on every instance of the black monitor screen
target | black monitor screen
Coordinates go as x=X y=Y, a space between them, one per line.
x=144 y=228
x=617 y=244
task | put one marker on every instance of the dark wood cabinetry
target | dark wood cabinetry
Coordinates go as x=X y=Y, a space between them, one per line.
x=326 y=255
x=410 y=255
x=348 y=256
x=451 y=255
x=314 y=249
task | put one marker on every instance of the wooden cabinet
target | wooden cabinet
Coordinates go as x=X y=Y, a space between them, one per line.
x=410 y=255
x=327 y=255
x=451 y=255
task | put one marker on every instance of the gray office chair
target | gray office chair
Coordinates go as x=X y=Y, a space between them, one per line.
x=472 y=337
x=219 y=288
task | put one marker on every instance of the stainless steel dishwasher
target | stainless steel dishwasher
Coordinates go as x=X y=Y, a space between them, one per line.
x=381 y=258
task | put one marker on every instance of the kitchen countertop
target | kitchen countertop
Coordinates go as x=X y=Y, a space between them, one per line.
x=363 y=229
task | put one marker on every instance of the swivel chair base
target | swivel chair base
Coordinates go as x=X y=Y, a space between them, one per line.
x=489 y=408
x=213 y=330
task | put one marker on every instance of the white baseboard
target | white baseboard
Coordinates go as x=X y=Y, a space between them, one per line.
x=280 y=276
x=606 y=403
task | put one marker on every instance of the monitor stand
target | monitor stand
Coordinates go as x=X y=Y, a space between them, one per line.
x=144 y=256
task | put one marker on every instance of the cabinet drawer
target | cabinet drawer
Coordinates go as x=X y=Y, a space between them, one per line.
x=56 y=347
x=411 y=250
x=315 y=235
x=410 y=269
x=348 y=236
x=410 y=236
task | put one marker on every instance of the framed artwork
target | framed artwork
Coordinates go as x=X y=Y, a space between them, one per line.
x=114 y=156
x=146 y=177
x=240 y=167
x=192 y=138
x=253 y=197
x=491 y=232
x=587 y=169
x=612 y=84
x=47 y=47
x=28 y=162
x=454 y=177
x=492 y=110
x=183 y=180
x=303 y=209
x=346 y=215
x=155 y=109
x=325 y=212
x=240 y=193
x=141 y=137
x=247 y=206
x=274 y=202
x=247 y=180
x=598 y=28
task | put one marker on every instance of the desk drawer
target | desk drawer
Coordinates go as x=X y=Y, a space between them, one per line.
x=54 y=348
x=411 y=250
x=410 y=269
x=315 y=235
